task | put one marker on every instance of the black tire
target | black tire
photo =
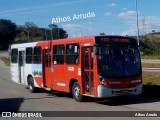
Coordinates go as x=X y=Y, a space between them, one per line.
x=76 y=92
x=31 y=86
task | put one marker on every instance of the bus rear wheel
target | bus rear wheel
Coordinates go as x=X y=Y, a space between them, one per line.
x=76 y=93
x=31 y=86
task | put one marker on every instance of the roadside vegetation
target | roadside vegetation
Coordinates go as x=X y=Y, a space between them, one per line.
x=150 y=57
x=151 y=85
x=5 y=60
x=150 y=46
x=12 y=33
x=150 y=65
x=151 y=79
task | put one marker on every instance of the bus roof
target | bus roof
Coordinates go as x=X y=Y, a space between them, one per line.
x=61 y=41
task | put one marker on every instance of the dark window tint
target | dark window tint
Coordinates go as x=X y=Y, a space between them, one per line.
x=37 y=55
x=29 y=55
x=58 y=54
x=21 y=58
x=72 y=54
x=14 y=55
x=86 y=60
x=119 y=61
x=47 y=58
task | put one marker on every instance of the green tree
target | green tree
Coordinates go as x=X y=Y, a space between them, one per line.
x=102 y=33
x=29 y=32
x=56 y=32
x=7 y=33
x=149 y=45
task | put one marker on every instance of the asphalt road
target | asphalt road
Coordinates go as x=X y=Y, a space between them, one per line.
x=4 y=54
x=150 y=61
x=14 y=97
x=151 y=71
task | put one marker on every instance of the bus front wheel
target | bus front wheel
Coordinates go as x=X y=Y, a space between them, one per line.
x=76 y=92
x=31 y=85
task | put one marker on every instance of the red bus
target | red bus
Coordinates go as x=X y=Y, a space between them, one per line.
x=97 y=66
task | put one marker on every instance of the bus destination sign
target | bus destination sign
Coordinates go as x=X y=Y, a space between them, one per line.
x=113 y=40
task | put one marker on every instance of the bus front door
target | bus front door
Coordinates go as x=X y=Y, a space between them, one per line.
x=87 y=66
x=21 y=66
x=46 y=68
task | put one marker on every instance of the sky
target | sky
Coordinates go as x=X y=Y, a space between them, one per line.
x=86 y=17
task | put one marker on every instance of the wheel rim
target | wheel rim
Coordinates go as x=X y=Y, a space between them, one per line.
x=77 y=92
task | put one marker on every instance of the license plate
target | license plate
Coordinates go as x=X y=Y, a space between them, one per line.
x=124 y=92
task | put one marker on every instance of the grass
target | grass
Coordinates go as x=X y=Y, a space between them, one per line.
x=150 y=65
x=151 y=79
x=151 y=85
x=154 y=57
x=5 y=60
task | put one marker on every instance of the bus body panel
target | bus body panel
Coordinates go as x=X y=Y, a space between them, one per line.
x=104 y=91
x=14 y=72
x=59 y=76
x=17 y=71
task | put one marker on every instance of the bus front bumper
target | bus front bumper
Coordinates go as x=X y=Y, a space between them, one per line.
x=104 y=91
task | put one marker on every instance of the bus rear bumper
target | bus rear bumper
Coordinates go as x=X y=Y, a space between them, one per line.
x=104 y=91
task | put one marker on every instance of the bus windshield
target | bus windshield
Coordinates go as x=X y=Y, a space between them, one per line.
x=118 y=61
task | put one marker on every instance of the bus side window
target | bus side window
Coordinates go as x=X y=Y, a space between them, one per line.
x=58 y=54
x=72 y=53
x=37 y=55
x=29 y=52
x=14 y=55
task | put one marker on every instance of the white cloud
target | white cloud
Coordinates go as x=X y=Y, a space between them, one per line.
x=146 y=25
x=90 y=23
x=128 y=14
x=111 y=5
x=131 y=32
x=108 y=14
x=72 y=26
x=77 y=30
x=151 y=23
x=152 y=19
x=74 y=30
x=130 y=20
x=124 y=8
x=113 y=33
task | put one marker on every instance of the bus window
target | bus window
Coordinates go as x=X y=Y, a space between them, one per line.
x=37 y=55
x=119 y=61
x=29 y=55
x=58 y=54
x=14 y=55
x=72 y=54
x=47 y=58
x=86 y=62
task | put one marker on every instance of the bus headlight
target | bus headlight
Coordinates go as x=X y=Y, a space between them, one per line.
x=102 y=81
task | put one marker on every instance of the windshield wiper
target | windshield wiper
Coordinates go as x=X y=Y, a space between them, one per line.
x=127 y=50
